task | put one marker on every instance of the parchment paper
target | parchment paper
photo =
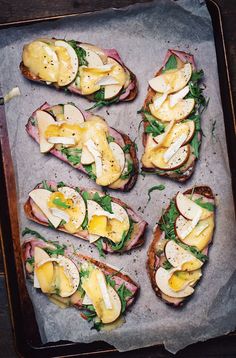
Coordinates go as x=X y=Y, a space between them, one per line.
x=142 y=34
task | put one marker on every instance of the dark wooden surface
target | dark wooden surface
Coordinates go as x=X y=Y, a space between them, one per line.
x=28 y=10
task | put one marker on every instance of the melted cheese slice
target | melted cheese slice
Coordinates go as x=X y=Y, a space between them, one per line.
x=42 y=60
x=91 y=78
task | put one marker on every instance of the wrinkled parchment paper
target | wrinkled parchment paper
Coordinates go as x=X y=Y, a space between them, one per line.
x=142 y=34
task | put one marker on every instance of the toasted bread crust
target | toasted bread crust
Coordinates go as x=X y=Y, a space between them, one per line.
x=180 y=177
x=30 y=215
x=150 y=264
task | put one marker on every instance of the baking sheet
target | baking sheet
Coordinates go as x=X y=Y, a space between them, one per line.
x=142 y=34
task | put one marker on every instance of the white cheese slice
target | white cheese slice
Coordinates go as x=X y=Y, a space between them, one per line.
x=103 y=287
x=201 y=226
x=86 y=300
x=36 y=281
x=93 y=238
x=60 y=214
x=174 y=147
x=61 y=140
x=189 y=225
x=97 y=156
x=175 y=98
x=107 y=80
x=158 y=101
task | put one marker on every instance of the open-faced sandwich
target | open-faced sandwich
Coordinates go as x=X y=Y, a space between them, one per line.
x=87 y=70
x=70 y=278
x=172 y=118
x=180 y=244
x=87 y=143
x=103 y=220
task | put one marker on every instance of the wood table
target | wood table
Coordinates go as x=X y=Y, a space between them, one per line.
x=13 y=11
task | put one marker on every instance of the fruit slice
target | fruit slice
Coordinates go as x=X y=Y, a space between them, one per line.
x=177 y=256
x=180 y=157
x=176 y=80
x=95 y=49
x=172 y=150
x=93 y=59
x=41 y=60
x=68 y=63
x=162 y=280
x=73 y=114
x=86 y=156
x=45 y=275
x=180 y=111
x=176 y=98
x=160 y=139
x=205 y=213
x=187 y=128
x=111 y=91
x=118 y=154
x=187 y=207
x=41 y=197
x=201 y=234
x=44 y=119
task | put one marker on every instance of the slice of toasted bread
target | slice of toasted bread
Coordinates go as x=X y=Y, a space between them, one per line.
x=128 y=92
x=186 y=170
x=120 y=138
x=154 y=261
x=118 y=278
x=136 y=238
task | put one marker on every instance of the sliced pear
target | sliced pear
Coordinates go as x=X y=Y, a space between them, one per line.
x=177 y=256
x=39 y=256
x=41 y=197
x=160 y=139
x=97 y=156
x=44 y=119
x=68 y=63
x=160 y=100
x=180 y=111
x=69 y=276
x=118 y=154
x=178 y=159
x=172 y=81
x=191 y=125
x=95 y=49
x=205 y=213
x=162 y=280
x=173 y=149
x=177 y=130
x=41 y=60
x=176 y=97
x=187 y=207
x=201 y=235
x=111 y=91
x=86 y=156
x=73 y=114
x=181 y=279
x=93 y=59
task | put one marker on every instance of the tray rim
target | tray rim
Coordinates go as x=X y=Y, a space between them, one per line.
x=26 y=345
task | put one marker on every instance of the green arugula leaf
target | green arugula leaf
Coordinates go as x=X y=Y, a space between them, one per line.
x=84 y=224
x=197 y=76
x=72 y=154
x=195 y=144
x=154 y=127
x=110 y=281
x=85 y=195
x=97 y=326
x=60 y=250
x=208 y=206
x=33 y=121
x=104 y=201
x=99 y=95
x=61 y=184
x=125 y=237
x=128 y=172
x=99 y=243
x=156 y=187
x=62 y=223
x=84 y=273
x=110 y=139
x=213 y=129
x=30 y=260
x=27 y=231
x=126 y=148
x=193 y=251
x=59 y=202
x=89 y=170
x=80 y=52
x=123 y=293
x=46 y=186
x=167 y=265
x=171 y=64
x=89 y=316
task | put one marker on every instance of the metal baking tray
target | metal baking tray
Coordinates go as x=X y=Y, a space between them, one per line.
x=26 y=335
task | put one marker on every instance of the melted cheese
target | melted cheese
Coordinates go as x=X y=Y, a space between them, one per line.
x=90 y=78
